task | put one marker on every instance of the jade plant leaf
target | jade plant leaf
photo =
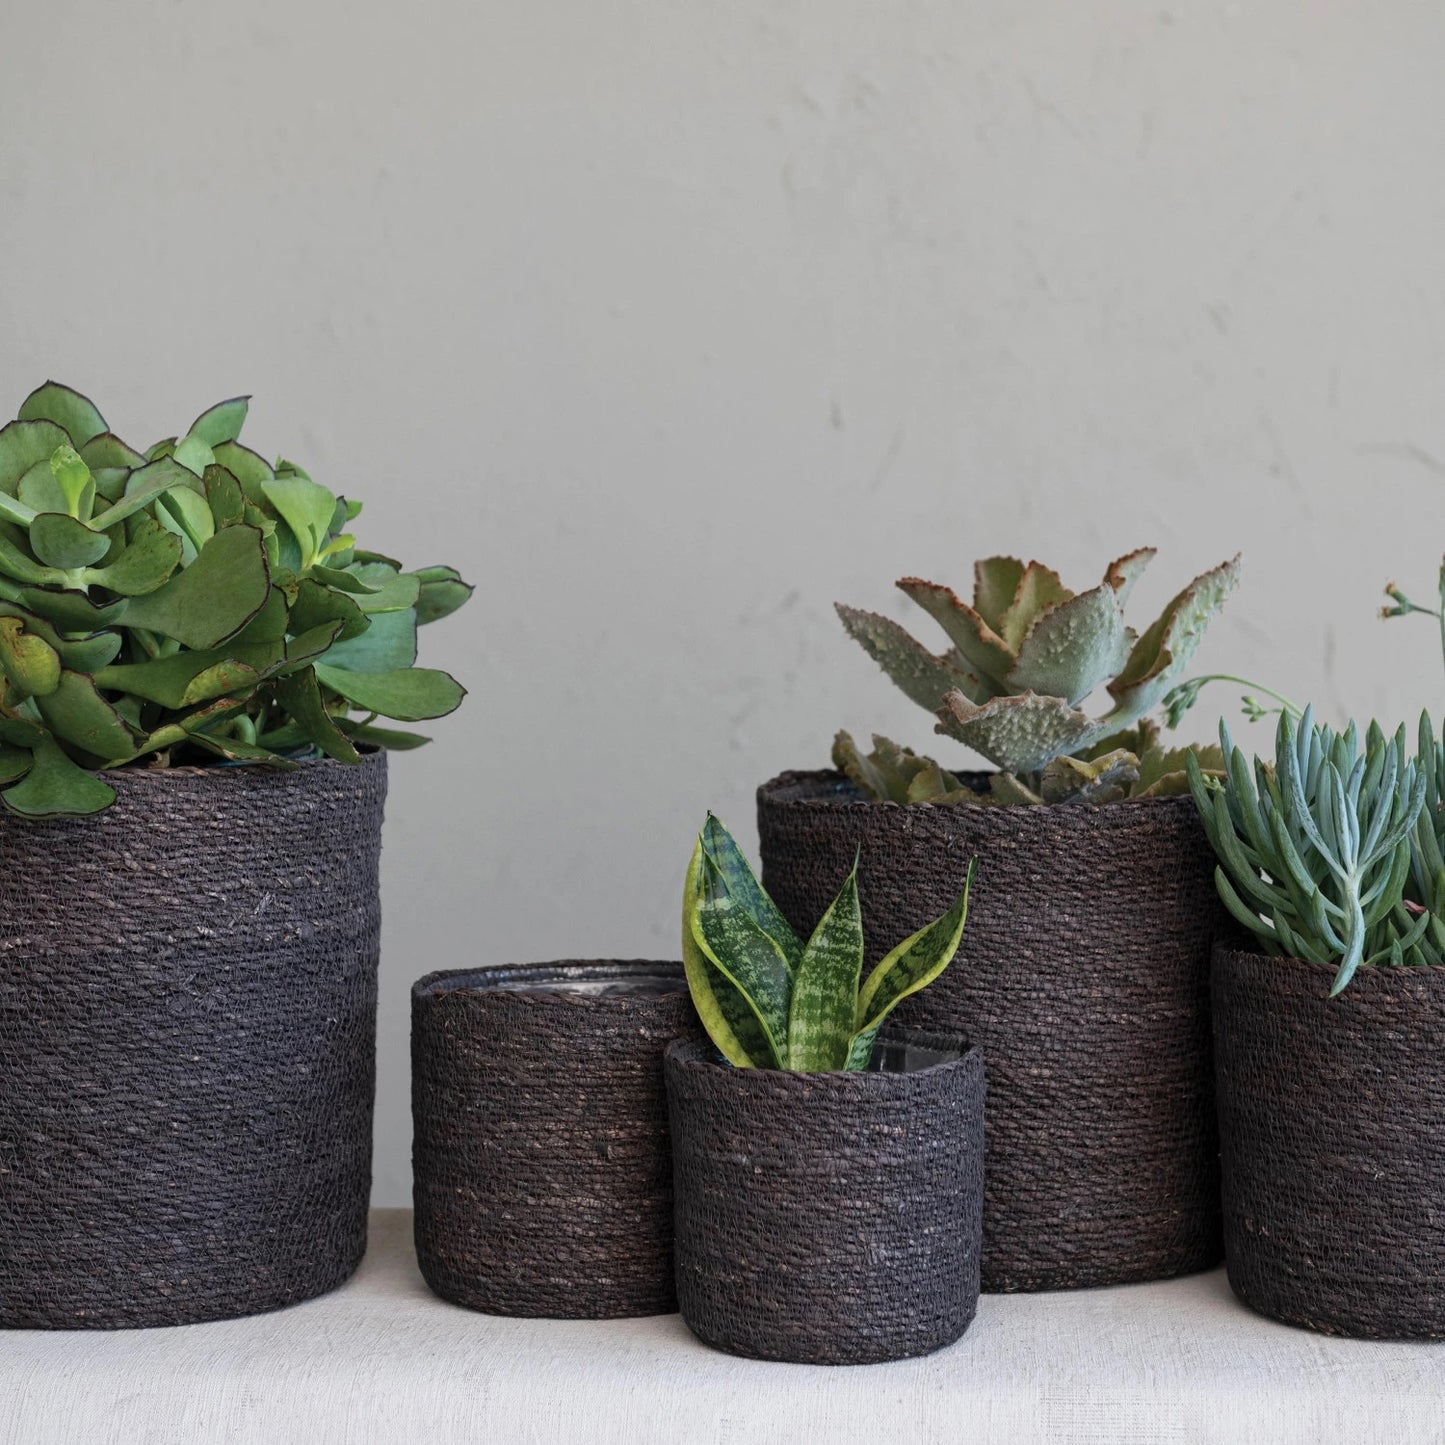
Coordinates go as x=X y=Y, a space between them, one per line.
x=387 y=645
x=54 y=786
x=301 y=697
x=29 y=662
x=153 y=555
x=222 y=422
x=25 y=444
x=76 y=713
x=212 y=599
x=410 y=695
x=62 y=541
x=68 y=409
x=440 y=593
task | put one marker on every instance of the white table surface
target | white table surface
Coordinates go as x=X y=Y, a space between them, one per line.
x=382 y=1360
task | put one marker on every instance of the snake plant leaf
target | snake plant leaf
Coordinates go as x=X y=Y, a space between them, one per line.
x=924 y=677
x=730 y=1021
x=153 y=555
x=1165 y=649
x=440 y=592
x=54 y=786
x=14 y=763
x=30 y=664
x=1021 y=734
x=108 y=451
x=76 y=713
x=1072 y=648
x=914 y=964
x=61 y=541
x=746 y=957
x=301 y=697
x=222 y=422
x=407 y=696
x=995 y=585
x=212 y=599
x=743 y=886
x=980 y=648
x=316 y=604
x=68 y=409
x=1123 y=573
x=825 y=986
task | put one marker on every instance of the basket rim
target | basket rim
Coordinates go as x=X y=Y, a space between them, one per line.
x=700 y=1057
x=770 y=794
x=487 y=981
x=1226 y=956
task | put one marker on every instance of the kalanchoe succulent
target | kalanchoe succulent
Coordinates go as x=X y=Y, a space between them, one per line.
x=1027 y=653
x=771 y=1001
x=190 y=603
x=1317 y=851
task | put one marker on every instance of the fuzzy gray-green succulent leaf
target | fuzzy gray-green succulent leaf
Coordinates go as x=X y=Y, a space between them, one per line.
x=1022 y=734
x=922 y=675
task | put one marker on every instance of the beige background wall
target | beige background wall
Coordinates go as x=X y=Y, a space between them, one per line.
x=670 y=323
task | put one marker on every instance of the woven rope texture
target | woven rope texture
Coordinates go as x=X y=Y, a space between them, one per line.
x=1332 y=1127
x=543 y=1178
x=827 y=1218
x=187 y=1046
x=1083 y=976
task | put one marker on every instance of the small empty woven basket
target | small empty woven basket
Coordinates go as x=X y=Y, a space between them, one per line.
x=1083 y=976
x=1332 y=1128
x=543 y=1179
x=829 y=1218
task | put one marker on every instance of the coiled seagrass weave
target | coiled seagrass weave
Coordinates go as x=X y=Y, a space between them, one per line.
x=543 y=1178
x=1332 y=1128
x=187 y=1045
x=1084 y=978
x=831 y=1218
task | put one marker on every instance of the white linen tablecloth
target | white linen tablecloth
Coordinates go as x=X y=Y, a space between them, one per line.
x=383 y=1361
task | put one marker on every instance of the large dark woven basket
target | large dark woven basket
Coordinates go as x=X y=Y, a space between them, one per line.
x=1083 y=976
x=1332 y=1127
x=187 y=1046
x=829 y=1219
x=543 y=1180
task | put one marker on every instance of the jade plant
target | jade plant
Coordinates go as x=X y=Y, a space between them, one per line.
x=768 y=999
x=1024 y=656
x=190 y=603
x=1333 y=852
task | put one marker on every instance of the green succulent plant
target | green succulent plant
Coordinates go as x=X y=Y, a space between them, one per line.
x=1317 y=851
x=1028 y=652
x=1402 y=606
x=771 y=1001
x=1131 y=764
x=190 y=603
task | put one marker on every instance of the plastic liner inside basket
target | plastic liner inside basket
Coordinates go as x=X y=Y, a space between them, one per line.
x=591 y=980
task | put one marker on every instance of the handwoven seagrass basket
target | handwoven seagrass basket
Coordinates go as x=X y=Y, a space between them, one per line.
x=543 y=1177
x=1084 y=978
x=829 y=1218
x=1332 y=1129
x=187 y=1045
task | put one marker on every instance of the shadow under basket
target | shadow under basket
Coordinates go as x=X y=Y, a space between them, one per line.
x=188 y=1045
x=1083 y=976
x=829 y=1218
x=542 y=1175
x=1332 y=1128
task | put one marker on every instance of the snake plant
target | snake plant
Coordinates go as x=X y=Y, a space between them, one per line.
x=1024 y=656
x=190 y=603
x=768 y=999
x=1317 y=851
